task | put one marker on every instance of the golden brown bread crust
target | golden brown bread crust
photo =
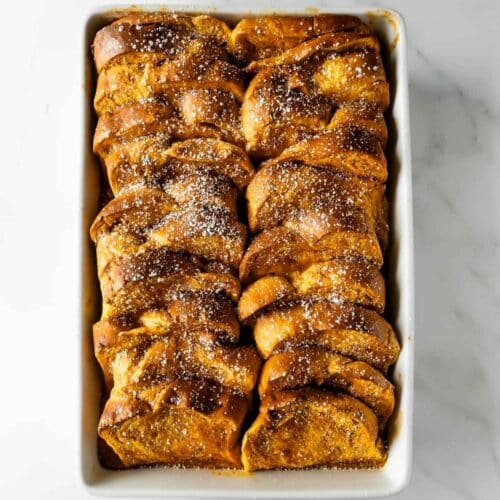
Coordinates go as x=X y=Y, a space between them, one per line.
x=349 y=280
x=281 y=109
x=337 y=43
x=346 y=149
x=188 y=188
x=343 y=66
x=311 y=428
x=155 y=32
x=202 y=111
x=215 y=108
x=224 y=158
x=136 y=76
x=284 y=249
x=190 y=422
x=149 y=161
x=285 y=191
x=313 y=366
x=141 y=294
x=352 y=77
x=174 y=354
x=161 y=311
x=352 y=124
x=261 y=294
x=344 y=328
x=263 y=37
x=170 y=269
x=145 y=218
x=156 y=118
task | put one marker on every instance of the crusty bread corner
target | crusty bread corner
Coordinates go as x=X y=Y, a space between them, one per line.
x=299 y=87
x=311 y=428
x=258 y=38
x=188 y=423
x=154 y=32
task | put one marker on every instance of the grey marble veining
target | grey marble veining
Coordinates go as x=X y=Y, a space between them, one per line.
x=454 y=90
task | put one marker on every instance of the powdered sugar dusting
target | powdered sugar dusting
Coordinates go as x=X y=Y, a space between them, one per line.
x=169 y=94
x=169 y=243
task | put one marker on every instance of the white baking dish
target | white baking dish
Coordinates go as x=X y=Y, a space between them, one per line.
x=389 y=26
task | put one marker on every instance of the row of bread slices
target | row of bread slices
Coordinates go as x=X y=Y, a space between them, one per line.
x=318 y=214
x=314 y=298
x=169 y=242
x=169 y=338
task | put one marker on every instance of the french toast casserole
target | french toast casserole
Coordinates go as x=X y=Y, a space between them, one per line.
x=240 y=243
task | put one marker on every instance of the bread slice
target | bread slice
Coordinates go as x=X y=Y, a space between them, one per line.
x=318 y=47
x=200 y=112
x=162 y=123
x=163 y=306
x=120 y=296
x=147 y=310
x=156 y=32
x=139 y=76
x=284 y=249
x=184 y=354
x=263 y=37
x=211 y=108
x=310 y=428
x=262 y=293
x=284 y=191
x=348 y=148
x=132 y=213
x=349 y=280
x=343 y=328
x=189 y=188
x=135 y=145
x=168 y=268
x=146 y=218
x=221 y=157
x=188 y=423
x=156 y=119
x=313 y=366
x=209 y=231
x=151 y=161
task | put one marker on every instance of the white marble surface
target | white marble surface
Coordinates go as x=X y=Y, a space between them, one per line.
x=455 y=105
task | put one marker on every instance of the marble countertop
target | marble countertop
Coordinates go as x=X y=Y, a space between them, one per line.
x=455 y=118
